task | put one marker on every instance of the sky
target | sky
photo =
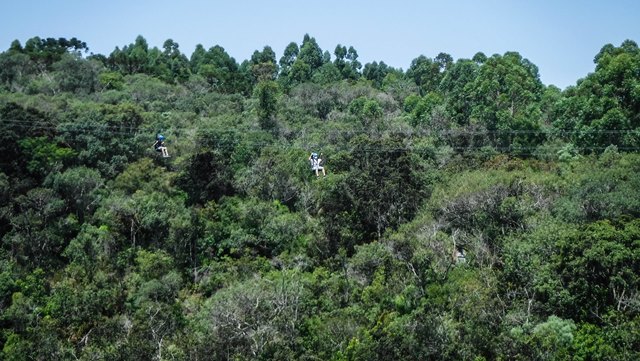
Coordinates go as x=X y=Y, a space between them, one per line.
x=561 y=37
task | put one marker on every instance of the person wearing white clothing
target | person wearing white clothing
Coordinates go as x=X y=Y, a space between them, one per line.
x=316 y=164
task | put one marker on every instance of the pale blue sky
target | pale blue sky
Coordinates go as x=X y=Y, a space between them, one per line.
x=560 y=37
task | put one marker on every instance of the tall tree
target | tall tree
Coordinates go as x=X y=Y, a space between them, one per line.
x=16 y=69
x=306 y=62
x=267 y=94
x=176 y=62
x=263 y=64
x=310 y=53
x=426 y=74
x=289 y=57
x=219 y=69
x=455 y=85
x=506 y=95
x=444 y=60
x=347 y=62
x=132 y=59
x=47 y=51
x=604 y=108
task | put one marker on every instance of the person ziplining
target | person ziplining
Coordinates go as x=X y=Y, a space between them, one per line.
x=160 y=146
x=316 y=164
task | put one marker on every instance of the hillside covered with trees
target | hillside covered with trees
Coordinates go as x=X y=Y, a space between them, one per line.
x=469 y=211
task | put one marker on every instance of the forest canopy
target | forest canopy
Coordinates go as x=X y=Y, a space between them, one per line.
x=468 y=212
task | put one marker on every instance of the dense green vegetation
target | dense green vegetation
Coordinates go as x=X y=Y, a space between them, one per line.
x=232 y=249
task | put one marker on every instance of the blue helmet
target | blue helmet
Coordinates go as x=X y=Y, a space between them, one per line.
x=160 y=137
x=314 y=155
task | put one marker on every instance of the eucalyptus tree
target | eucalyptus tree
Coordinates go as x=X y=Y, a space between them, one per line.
x=376 y=72
x=426 y=73
x=263 y=65
x=289 y=56
x=347 y=62
x=505 y=98
x=604 y=108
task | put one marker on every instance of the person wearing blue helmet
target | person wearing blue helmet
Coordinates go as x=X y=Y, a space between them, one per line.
x=316 y=164
x=160 y=146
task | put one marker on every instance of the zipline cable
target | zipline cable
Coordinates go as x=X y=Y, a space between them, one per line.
x=220 y=137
